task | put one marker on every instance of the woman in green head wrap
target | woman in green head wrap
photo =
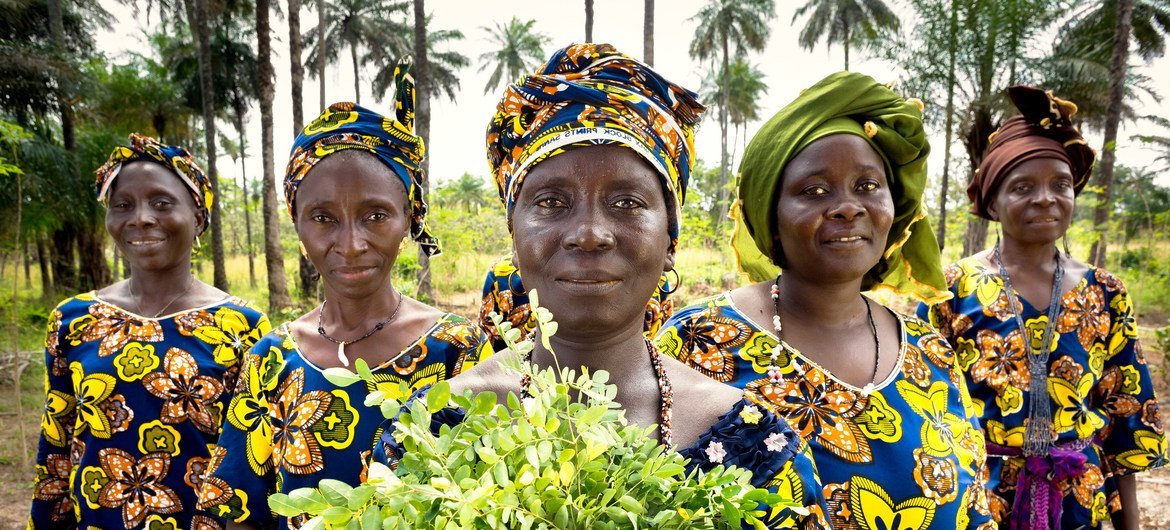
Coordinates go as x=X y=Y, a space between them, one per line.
x=830 y=194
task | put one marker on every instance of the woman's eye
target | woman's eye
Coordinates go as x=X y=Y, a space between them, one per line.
x=628 y=204
x=868 y=185
x=549 y=202
x=320 y=218
x=379 y=216
x=163 y=204
x=815 y=191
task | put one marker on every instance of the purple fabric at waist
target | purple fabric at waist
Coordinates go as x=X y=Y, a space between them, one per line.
x=1037 y=482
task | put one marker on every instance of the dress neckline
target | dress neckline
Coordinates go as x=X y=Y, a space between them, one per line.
x=229 y=298
x=286 y=330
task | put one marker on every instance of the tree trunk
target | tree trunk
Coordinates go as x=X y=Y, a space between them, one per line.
x=422 y=127
x=27 y=260
x=247 y=196
x=308 y=275
x=357 y=83
x=64 y=261
x=57 y=32
x=724 y=185
x=845 y=44
x=94 y=270
x=950 y=126
x=43 y=263
x=321 y=47
x=198 y=14
x=648 y=33
x=1117 y=69
x=273 y=255
x=588 y=20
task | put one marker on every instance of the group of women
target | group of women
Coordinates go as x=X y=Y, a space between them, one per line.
x=1018 y=396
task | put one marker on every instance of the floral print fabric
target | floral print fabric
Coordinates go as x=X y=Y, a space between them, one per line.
x=132 y=405
x=908 y=455
x=1098 y=382
x=288 y=427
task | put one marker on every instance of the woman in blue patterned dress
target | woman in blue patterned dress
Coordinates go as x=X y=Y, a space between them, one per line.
x=355 y=192
x=138 y=372
x=592 y=175
x=830 y=192
x=1030 y=321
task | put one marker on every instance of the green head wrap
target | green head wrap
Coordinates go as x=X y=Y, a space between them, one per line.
x=844 y=103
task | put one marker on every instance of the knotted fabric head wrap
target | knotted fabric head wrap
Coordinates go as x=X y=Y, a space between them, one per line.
x=1042 y=129
x=844 y=103
x=173 y=157
x=592 y=94
x=392 y=141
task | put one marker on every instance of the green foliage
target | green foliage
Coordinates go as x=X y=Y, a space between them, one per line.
x=564 y=458
x=516 y=50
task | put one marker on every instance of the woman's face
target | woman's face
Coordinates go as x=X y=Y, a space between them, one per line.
x=834 y=209
x=1034 y=203
x=152 y=217
x=590 y=234
x=351 y=216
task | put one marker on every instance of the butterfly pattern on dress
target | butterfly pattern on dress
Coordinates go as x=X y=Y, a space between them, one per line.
x=288 y=427
x=907 y=454
x=1097 y=382
x=131 y=406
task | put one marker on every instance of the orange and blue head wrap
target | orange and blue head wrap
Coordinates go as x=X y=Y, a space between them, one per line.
x=590 y=94
x=392 y=141
x=173 y=157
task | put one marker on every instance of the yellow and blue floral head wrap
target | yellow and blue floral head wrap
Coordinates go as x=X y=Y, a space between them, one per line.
x=590 y=94
x=350 y=126
x=173 y=157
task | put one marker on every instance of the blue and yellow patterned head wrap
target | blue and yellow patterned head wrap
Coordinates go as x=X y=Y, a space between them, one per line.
x=590 y=94
x=173 y=157
x=349 y=126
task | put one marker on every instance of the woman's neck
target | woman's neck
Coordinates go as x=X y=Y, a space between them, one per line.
x=158 y=285
x=1031 y=257
x=345 y=315
x=828 y=304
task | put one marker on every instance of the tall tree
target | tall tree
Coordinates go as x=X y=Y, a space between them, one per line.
x=588 y=20
x=722 y=26
x=443 y=64
x=198 y=18
x=745 y=85
x=844 y=22
x=517 y=50
x=648 y=32
x=355 y=24
x=949 y=126
x=422 y=127
x=323 y=46
x=308 y=275
x=273 y=255
x=1112 y=121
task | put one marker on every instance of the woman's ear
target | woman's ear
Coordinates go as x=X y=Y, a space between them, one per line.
x=991 y=211
x=200 y=222
x=669 y=264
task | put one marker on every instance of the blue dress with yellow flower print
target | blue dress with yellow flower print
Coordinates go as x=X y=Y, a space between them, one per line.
x=907 y=455
x=1101 y=391
x=288 y=427
x=133 y=406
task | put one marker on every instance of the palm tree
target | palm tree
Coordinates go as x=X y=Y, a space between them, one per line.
x=198 y=15
x=422 y=126
x=443 y=65
x=357 y=24
x=648 y=33
x=1112 y=120
x=467 y=191
x=844 y=22
x=308 y=275
x=518 y=50
x=745 y=87
x=323 y=22
x=273 y=255
x=724 y=24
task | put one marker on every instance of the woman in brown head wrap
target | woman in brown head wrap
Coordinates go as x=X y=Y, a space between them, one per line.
x=1028 y=321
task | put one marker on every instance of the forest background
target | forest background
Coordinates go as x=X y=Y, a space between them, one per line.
x=233 y=80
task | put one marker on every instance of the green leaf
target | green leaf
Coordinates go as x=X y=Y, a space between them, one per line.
x=336 y=492
x=360 y=496
x=337 y=515
x=363 y=370
x=284 y=505
x=309 y=500
x=340 y=376
x=316 y=523
x=375 y=398
x=389 y=408
x=438 y=397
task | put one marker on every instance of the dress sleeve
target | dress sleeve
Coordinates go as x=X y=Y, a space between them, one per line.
x=799 y=478
x=1134 y=439
x=52 y=505
x=240 y=477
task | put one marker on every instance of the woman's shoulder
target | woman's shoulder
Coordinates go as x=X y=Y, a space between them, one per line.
x=78 y=303
x=720 y=305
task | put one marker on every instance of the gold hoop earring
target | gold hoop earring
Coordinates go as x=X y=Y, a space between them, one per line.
x=198 y=244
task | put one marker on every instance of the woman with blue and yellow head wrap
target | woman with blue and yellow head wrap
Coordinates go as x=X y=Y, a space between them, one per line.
x=592 y=154
x=355 y=193
x=830 y=193
x=138 y=371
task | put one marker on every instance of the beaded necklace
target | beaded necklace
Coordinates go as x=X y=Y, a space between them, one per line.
x=665 y=392
x=1038 y=433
